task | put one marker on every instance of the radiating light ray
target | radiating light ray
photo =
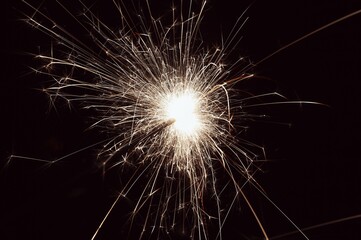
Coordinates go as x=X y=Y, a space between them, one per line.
x=339 y=220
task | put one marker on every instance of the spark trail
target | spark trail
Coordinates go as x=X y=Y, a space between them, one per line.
x=169 y=106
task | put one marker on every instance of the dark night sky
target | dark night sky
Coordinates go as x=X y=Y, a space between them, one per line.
x=314 y=172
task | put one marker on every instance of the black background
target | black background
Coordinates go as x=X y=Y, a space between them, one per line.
x=314 y=168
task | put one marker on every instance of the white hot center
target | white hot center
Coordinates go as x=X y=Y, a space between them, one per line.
x=183 y=109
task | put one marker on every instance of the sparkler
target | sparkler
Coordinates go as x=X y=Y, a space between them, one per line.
x=165 y=100
x=170 y=108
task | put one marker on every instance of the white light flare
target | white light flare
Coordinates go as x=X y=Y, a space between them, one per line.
x=184 y=109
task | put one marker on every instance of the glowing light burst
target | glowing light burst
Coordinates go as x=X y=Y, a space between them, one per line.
x=184 y=109
x=169 y=105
